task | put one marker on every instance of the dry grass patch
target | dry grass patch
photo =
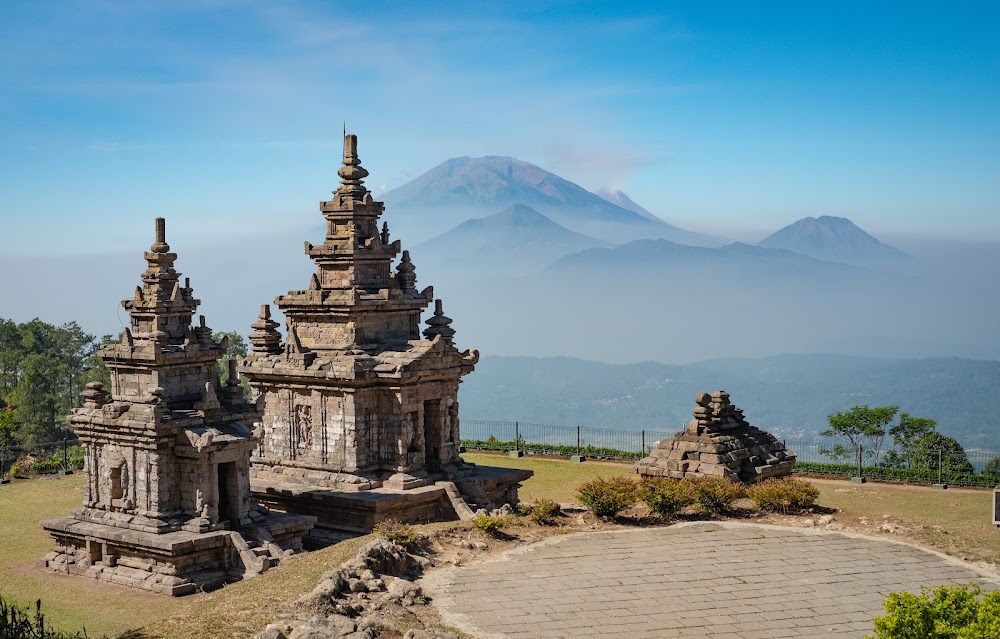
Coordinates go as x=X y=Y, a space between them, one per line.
x=957 y=521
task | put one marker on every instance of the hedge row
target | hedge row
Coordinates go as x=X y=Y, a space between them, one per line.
x=912 y=475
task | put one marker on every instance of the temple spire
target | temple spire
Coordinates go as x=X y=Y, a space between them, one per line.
x=352 y=174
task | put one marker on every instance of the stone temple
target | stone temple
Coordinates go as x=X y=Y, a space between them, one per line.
x=360 y=407
x=718 y=442
x=167 y=503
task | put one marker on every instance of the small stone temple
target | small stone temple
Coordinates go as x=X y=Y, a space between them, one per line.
x=360 y=406
x=718 y=442
x=167 y=504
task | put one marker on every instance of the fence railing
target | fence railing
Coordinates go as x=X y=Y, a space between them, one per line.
x=61 y=456
x=548 y=439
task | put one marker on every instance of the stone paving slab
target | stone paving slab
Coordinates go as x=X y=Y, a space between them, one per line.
x=718 y=580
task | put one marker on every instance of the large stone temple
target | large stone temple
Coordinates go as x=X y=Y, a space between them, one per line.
x=167 y=504
x=361 y=418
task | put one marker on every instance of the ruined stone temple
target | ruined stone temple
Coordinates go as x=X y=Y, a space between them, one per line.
x=360 y=406
x=718 y=442
x=167 y=504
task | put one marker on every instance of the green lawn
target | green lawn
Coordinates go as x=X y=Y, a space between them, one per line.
x=554 y=479
x=69 y=603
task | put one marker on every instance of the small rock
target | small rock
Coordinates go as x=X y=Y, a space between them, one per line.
x=825 y=520
x=834 y=526
x=892 y=528
x=325 y=628
x=479 y=545
x=360 y=634
x=429 y=634
x=273 y=631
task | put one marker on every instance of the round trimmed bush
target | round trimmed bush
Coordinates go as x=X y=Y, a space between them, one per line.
x=783 y=495
x=608 y=497
x=667 y=497
x=715 y=495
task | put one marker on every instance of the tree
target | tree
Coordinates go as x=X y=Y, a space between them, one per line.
x=908 y=432
x=861 y=426
x=8 y=426
x=933 y=447
x=237 y=349
x=992 y=468
x=36 y=399
x=94 y=368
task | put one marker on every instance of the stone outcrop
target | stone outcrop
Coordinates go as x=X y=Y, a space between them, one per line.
x=358 y=404
x=718 y=442
x=167 y=504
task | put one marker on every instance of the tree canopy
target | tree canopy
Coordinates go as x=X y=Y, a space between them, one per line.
x=43 y=368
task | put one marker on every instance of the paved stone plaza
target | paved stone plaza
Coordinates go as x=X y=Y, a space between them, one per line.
x=716 y=580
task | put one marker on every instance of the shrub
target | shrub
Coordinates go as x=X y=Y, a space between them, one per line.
x=912 y=475
x=47 y=467
x=946 y=612
x=543 y=512
x=489 y=525
x=403 y=534
x=667 y=497
x=715 y=494
x=608 y=497
x=783 y=495
x=19 y=623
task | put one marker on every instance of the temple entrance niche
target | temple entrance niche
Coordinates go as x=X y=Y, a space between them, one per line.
x=229 y=493
x=433 y=425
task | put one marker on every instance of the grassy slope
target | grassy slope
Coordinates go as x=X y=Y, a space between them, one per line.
x=69 y=603
x=243 y=608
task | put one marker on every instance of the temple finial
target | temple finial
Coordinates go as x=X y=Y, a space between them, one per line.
x=160 y=245
x=439 y=324
x=265 y=337
x=351 y=174
x=406 y=275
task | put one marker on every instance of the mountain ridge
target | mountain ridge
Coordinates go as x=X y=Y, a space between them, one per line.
x=832 y=238
x=460 y=188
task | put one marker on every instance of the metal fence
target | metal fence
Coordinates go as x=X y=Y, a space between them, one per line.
x=62 y=456
x=548 y=439
x=928 y=466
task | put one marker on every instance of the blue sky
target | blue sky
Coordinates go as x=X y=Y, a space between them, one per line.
x=733 y=118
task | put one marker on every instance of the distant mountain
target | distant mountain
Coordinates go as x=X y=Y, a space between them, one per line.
x=463 y=188
x=618 y=197
x=737 y=259
x=833 y=238
x=516 y=241
x=790 y=395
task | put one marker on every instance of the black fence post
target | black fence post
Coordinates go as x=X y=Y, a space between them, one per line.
x=860 y=479
x=65 y=461
x=577 y=458
x=3 y=465
x=643 y=443
x=517 y=452
x=940 y=482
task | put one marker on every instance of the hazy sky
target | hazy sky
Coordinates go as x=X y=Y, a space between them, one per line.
x=736 y=118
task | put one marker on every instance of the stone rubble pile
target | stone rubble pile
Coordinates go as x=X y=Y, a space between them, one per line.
x=719 y=442
x=346 y=602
